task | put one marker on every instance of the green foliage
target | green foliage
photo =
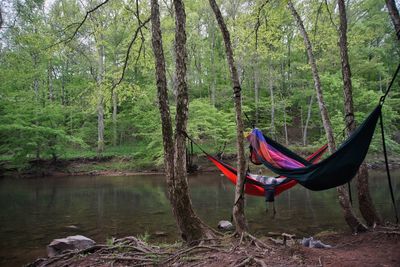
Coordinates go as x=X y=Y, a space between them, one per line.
x=49 y=94
x=209 y=124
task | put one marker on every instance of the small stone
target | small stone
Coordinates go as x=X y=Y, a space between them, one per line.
x=225 y=225
x=160 y=233
x=72 y=227
x=58 y=246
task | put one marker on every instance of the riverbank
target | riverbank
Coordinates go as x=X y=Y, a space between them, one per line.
x=126 y=166
x=375 y=248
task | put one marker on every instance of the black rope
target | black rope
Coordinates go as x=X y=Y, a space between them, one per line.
x=349 y=189
x=253 y=125
x=241 y=196
x=193 y=142
x=244 y=182
x=187 y=155
x=387 y=167
x=191 y=152
x=382 y=99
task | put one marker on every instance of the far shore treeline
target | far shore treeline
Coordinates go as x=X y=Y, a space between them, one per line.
x=71 y=92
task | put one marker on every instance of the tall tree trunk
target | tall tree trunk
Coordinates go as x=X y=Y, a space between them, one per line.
x=114 y=116
x=191 y=227
x=100 y=125
x=366 y=206
x=1 y=17
x=394 y=15
x=307 y=120
x=36 y=88
x=63 y=74
x=351 y=219
x=213 y=72
x=50 y=81
x=36 y=79
x=271 y=93
x=100 y=104
x=285 y=125
x=238 y=207
x=289 y=72
x=256 y=70
x=256 y=86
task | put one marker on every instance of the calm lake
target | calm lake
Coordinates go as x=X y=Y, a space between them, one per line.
x=33 y=212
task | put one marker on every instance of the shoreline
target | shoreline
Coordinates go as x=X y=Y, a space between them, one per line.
x=120 y=166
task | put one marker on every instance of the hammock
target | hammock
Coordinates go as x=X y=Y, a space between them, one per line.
x=258 y=185
x=337 y=169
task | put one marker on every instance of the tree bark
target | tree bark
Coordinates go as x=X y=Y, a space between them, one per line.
x=307 y=120
x=285 y=125
x=114 y=116
x=100 y=125
x=394 y=15
x=191 y=227
x=36 y=79
x=238 y=207
x=100 y=105
x=366 y=205
x=344 y=201
x=256 y=86
x=213 y=72
x=1 y=17
x=271 y=93
x=63 y=75
x=317 y=83
x=50 y=81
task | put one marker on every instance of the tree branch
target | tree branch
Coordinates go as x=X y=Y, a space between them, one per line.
x=316 y=20
x=140 y=31
x=330 y=15
x=80 y=24
x=129 y=51
x=258 y=23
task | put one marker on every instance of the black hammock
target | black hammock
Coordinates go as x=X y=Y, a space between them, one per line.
x=337 y=169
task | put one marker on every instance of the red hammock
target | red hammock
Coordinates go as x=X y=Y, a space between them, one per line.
x=255 y=187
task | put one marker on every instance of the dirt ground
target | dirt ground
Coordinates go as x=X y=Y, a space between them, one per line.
x=376 y=248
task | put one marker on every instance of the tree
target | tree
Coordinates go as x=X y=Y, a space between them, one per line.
x=191 y=227
x=367 y=208
x=1 y=17
x=344 y=201
x=238 y=207
x=394 y=15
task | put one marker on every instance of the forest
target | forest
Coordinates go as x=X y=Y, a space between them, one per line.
x=147 y=86
x=72 y=89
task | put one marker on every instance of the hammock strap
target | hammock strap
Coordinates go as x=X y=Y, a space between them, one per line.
x=253 y=125
x=193 y=142
x=349 y=189
x=382 y=99
x=387 y=167
x=241 y=196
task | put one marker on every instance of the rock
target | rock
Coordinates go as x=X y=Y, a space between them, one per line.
x=225 y=225
x=311 y=243
x=57 y=246
x=74 y=227
x=160 y=233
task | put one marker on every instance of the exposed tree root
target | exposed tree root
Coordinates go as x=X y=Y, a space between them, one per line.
x=132 y=251
x=243 y=250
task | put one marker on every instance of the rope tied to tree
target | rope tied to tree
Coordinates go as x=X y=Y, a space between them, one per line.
x=236 y=91
x=383 y=97
x=381 y=102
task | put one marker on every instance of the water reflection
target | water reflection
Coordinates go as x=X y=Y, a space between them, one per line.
x=35 y=211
